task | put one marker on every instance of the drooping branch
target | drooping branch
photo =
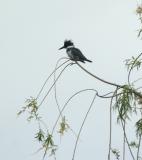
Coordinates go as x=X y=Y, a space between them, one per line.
x=110 y=122
x=82 y=126
x=139 y=141
x=51 y=75
x=98 y=78
x=84 y=90
x=55 y=89
x=54 y=84
x=138 y=94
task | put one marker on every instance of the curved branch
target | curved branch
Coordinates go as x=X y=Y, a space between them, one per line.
x=66 y=105
x=56 y=99
x=53 y=84
x=139 y=143
x=51 y=75
x=124 y=140
x=136 y=80
x=55 y=89
x=101 y=96
x=110 y=121
x=127 y=140
x=100 y=79
x=82 y=127
x=110 y=83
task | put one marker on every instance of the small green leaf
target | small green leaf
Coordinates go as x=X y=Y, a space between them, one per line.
x=40 y=136
x=133 y=144
x=63 y=126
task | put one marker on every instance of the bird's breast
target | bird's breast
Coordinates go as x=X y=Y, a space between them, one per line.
x=69 y=53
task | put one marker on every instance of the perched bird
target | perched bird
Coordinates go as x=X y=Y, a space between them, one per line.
x=74 y=53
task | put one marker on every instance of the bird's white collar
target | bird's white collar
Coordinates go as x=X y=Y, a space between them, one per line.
x=70 y=46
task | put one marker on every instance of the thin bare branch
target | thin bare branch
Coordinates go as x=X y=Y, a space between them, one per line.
x=124 y=140
x=55 y=89
x=110 y=83
x=127 y=140
x=54 y=84
x=100 y=79
x=66 y=105
x=82 y=126
x=110 y=122
x=51 y=75
x=101 y=96
x=139 y=143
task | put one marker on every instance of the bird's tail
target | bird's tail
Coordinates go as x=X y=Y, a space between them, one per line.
x=88 y=60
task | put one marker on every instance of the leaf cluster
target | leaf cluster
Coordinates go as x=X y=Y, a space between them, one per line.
x=139 y=10
x=133 y=63
x=63 y=126
x=133 y=144
x=32 y=108
x=47 y=142
x=139 y=127
x=124 y=102
x=40 y=135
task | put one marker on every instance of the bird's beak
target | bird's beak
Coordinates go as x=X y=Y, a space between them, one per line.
x=61 y=48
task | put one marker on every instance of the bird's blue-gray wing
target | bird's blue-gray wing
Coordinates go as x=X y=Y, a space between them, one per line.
x=78 y=54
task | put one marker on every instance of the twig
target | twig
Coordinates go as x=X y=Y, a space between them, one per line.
x=110 y=129
x=66 y=105
x=101 y=96
x=51 y=75
x=82 y=127
x=56 y=89
x=110 y=83
x=139 y=143
x=127 y=140
x=124 y=141
x=53 y=84
x=136 y=80
x=100 y=79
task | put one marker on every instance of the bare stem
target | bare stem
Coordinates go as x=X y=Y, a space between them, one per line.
x=66 y=105
x=53 y=84
x=100 y=79
x=127 y=139
x=139 y=144
x=110 y=83
x=110 y=119
x=55 y=88
x=51 y=75
x=124 y=141
x=97 y=94
x=82 y=127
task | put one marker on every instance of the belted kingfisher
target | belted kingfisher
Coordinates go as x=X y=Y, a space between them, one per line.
x=74 y=53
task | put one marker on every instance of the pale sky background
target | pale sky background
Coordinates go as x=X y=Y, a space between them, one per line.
x=31 y=31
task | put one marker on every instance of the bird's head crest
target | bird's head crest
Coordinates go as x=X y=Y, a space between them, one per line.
x=68 y=43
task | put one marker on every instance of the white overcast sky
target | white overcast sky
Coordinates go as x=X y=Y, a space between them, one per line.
x=31 y=31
